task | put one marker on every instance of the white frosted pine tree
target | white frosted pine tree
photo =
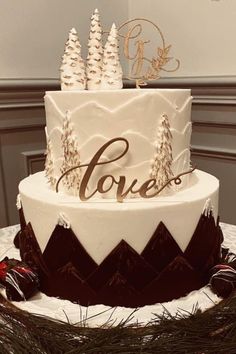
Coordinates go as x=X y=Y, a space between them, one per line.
x=161 y=165
x=111 y=70
x=72 y=69
x=71 y=157
x=95 y=54
x=49 y=165
x=208 y=208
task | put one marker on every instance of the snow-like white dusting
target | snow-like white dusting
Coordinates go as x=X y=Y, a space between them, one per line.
x=95 y=54
x=161 y=167
x=50 y=165
x=73 y=67
x=111 y=68
x=71 y=157
x=18 y=202
x=63 y=220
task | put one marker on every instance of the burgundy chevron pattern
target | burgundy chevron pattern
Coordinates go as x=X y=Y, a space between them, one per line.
x=161 y=273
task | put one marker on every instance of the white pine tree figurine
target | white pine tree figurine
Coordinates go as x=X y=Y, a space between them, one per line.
x=111 y=70
x=49 y=165
x=161 y=165
x=95 y=53
x=71 y=157
x=73 y=68
x=208 y=208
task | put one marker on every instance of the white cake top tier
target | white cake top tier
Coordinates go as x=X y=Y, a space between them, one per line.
x=155 y=122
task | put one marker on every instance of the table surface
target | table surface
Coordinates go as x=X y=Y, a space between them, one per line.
x=98 y=315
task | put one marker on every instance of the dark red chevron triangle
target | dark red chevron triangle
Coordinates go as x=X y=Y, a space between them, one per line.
x=161 y=249
x=176 y=280
x=67 y=283
x=204 y=243
x=124 y=277
x=22 y=219
x=16 y=240
x=30 y=251
x=64 y=247
x=127 y=262
x=215 y=256
x=118 y=292
x=22 y=226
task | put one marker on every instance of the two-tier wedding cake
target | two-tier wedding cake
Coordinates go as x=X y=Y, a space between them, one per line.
x=119 y=216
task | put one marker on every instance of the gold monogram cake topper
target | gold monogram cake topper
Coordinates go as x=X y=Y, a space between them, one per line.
x=145 y=68
x=121 y=189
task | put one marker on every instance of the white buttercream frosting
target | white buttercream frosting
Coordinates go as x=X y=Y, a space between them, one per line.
x=98 y=116
x=101 y=224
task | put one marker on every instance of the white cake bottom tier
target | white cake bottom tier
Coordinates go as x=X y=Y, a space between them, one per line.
x=100 y=225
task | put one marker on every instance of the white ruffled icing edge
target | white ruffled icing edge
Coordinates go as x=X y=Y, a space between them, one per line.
x=18 y=201
x=63 y=220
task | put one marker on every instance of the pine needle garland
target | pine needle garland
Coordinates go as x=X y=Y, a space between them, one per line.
x=209 y=332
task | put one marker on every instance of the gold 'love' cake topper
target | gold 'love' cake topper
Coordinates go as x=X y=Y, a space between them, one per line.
x=144 y=68
x=148 y=189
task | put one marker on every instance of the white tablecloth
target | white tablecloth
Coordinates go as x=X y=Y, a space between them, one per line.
x=99 y=314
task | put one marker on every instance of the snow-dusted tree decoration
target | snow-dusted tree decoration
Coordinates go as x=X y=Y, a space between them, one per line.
x=208 y=208
x=95 y=54
x=71 y=157
x=161 y=165
x=49 y=165
x=73 y=68
x=111 y=70
x=63 y=220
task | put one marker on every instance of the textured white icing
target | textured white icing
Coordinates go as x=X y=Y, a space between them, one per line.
x=134 y=114
x=72 y=68
x=111 y=68
x=95 y=53
x=18 y=201
x=101 y=224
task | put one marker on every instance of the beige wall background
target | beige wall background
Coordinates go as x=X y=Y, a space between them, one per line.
x=32 y=37
x=202 y=33
x=33 y=32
